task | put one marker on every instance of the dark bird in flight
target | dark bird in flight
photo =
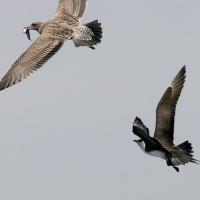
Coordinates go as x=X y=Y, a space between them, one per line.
x=162 y=145
x=65 y=25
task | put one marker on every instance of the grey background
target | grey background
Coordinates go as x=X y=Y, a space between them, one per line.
x=66 y=130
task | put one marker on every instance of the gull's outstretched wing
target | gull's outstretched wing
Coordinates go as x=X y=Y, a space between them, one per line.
x=42 y=49
x=75 y=8
x=165 y=112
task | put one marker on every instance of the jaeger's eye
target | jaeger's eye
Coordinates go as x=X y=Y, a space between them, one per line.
x=33 y=24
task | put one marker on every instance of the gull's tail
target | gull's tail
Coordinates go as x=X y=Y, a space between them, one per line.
x=91 y=35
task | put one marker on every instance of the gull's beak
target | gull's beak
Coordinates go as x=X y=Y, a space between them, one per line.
x=27 y=32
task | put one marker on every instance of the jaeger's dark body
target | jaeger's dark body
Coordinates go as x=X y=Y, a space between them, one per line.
x=161 y=145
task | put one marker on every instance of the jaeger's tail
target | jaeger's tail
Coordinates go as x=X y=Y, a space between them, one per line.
x=96 y=32
x=183 y=154
x=186 y=146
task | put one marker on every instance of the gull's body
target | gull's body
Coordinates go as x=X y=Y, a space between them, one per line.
x=161 y=145
x=65 y=25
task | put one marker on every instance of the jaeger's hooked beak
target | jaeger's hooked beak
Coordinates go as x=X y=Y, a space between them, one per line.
x=27 y=32
x=139 y=140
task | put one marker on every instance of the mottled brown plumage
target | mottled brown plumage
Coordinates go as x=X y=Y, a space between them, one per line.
x=65 y=25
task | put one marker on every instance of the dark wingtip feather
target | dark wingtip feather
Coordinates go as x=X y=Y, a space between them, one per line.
x=180 y=76
x=139 y=124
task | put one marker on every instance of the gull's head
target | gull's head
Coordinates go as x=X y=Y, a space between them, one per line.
x=36 y=26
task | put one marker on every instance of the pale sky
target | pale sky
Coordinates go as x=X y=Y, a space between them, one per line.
x=66 y=129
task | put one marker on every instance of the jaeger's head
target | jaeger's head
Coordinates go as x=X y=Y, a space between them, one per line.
x=36 y=26
x=140 y=143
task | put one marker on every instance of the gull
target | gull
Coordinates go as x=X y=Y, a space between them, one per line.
x=162 y=145
x=65 y=25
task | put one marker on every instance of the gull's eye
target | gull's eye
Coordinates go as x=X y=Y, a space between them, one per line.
x=34 y=24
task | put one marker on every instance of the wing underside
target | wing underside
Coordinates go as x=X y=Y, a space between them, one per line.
x=32 y=59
